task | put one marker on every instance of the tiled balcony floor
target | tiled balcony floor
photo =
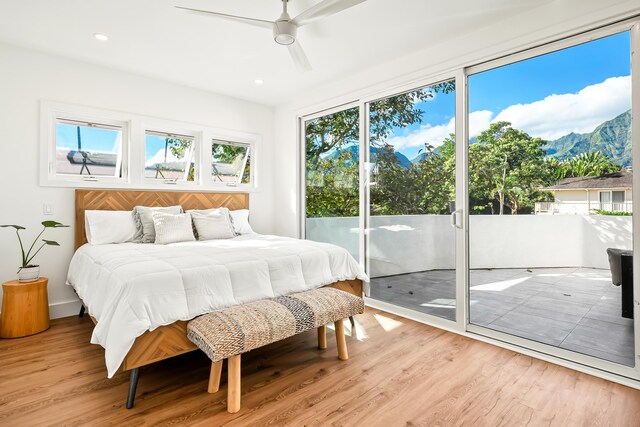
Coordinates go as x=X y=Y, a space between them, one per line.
x=573 y=308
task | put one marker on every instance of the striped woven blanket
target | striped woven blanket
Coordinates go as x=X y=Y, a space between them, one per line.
x=242 y=328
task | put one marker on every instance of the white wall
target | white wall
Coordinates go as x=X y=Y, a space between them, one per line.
x=28 y=77
x=410 y=243
x=549 y=22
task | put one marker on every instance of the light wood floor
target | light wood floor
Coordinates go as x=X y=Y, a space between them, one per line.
x=399 y=373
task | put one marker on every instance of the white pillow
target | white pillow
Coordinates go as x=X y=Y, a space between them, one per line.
x=104 y=227
x=143 y=216
x=240 y=220
x=172 y=228
x=213 y=224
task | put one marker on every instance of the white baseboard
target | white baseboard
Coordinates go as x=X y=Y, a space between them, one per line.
x=64 y=309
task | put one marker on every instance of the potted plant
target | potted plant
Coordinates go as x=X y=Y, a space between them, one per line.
x=29 y=272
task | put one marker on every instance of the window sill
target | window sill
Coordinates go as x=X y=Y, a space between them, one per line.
x=212 y=188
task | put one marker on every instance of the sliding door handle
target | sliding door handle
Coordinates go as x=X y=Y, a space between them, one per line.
x=454 y=219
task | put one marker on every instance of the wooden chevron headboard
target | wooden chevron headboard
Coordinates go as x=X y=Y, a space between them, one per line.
x=125 y=200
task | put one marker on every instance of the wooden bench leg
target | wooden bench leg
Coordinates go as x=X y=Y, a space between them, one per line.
x=233 y=392
x=322 y=337
x=341 y=340
x=214 y=376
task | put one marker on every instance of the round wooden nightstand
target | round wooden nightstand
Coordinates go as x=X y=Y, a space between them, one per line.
x=25 y=308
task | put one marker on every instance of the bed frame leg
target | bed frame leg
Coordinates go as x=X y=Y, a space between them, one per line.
x=133 y=383
x=81 y=311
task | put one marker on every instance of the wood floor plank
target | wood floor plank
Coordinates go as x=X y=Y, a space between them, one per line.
x=399 y=372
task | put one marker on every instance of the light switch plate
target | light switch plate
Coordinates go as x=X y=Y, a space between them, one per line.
x=47 y=209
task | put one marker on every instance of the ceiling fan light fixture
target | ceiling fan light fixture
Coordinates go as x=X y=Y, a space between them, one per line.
x=284 y=32
x=284 y=39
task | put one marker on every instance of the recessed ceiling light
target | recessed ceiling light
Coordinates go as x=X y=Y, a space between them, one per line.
x=258 y=81
x=101 y=37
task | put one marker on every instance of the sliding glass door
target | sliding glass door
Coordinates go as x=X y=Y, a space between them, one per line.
x=550 y=234
x=497 y=203
x=411 y=250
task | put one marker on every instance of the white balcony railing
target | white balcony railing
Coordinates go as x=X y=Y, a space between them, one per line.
x=409 y=243
x=580 y=208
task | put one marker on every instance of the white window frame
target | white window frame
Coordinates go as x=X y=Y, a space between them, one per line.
x=134 y=128
x=248 y=157
x=194 y=154
x=252 y=140
x=51 y=114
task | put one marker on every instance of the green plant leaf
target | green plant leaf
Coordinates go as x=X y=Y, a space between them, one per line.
x=51 y=242
x=53 y=224
x=17 y=227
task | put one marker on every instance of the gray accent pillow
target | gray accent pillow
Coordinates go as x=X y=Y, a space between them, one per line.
x=143 y=217
x=172 y=228
x=213 y=224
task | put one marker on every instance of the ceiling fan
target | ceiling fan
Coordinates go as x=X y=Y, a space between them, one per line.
x=285 y=28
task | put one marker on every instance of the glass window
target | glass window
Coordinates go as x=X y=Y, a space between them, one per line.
x=552 y=125
x=332 y=199
x=87 y=149
x=617 y=196
x=230 y=162
x=412 y=153
x=169 y=157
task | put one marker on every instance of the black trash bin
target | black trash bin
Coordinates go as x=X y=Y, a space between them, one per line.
x=621 y=264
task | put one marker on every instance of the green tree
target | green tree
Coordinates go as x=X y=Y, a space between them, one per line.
x=585 y=164
x=332 y=189
x=507 y=167
x=332 y=186
x=427 y=187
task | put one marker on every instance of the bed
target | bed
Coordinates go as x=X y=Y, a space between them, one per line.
x=165 y=338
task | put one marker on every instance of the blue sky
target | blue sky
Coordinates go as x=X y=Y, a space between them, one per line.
x=572 y=90
x=104 y=140
x=93 y=139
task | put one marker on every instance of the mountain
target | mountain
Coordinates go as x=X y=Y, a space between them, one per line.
x=419 y=158
x=612 y=138
x=404 y=161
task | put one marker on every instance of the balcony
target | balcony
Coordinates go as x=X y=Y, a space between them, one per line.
x=541 y=277
x=581 y=208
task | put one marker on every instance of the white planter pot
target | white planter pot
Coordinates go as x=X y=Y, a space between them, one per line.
x=29 y=274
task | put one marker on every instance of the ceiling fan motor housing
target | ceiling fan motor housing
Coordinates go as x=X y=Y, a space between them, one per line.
x=284 y=32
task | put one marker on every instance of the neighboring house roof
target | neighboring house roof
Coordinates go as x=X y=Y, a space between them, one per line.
x=620 y=179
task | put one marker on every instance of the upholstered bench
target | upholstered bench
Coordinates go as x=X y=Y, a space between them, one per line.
x=228 y=333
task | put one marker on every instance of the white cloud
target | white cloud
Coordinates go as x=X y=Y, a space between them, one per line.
x=435 y=135
x=426 y=133
x=549 y=118
x=479 y=121
x=558 y=115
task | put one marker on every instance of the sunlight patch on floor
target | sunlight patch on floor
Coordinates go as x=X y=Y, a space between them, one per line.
x=499 y=286
x=440 y=303
x=387 y=323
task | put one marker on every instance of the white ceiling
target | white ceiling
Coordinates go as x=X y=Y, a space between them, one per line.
x=151 y=37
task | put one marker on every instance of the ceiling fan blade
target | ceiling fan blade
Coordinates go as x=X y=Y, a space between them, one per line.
x=251 y=21
x=324 y=9
x=299 y=57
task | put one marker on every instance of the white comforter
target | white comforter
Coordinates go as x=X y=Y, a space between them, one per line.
x=132 y=288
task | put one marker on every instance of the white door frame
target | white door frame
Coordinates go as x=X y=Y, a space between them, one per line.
x=591 y=365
